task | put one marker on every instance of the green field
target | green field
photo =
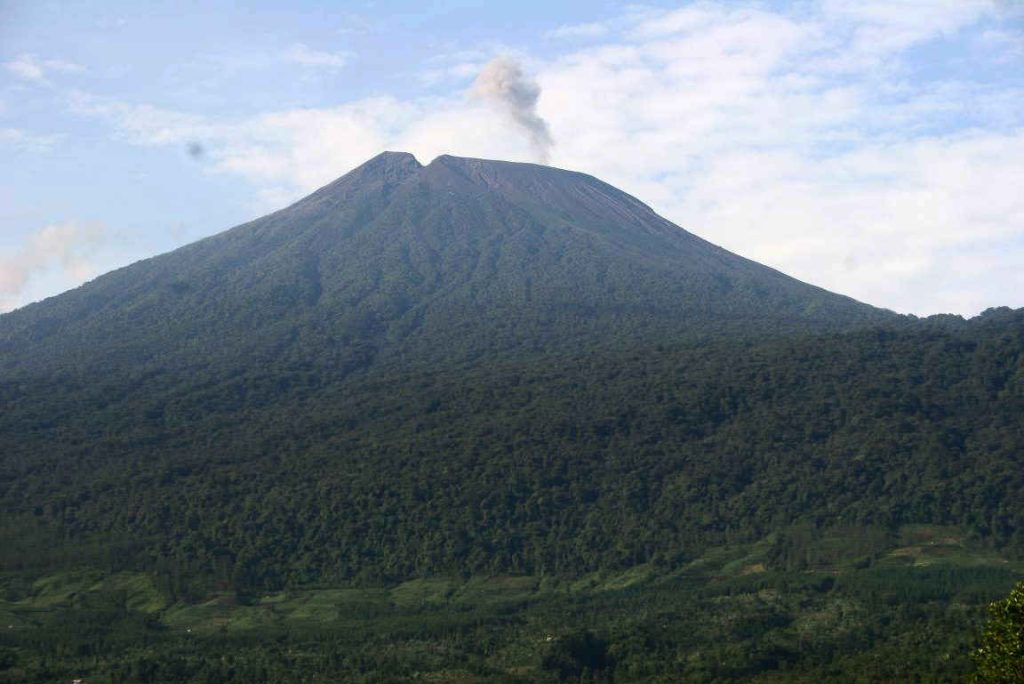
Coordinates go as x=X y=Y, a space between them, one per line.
x=908 y=612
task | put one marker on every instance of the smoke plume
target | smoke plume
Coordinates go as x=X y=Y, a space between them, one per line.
x=503 y=85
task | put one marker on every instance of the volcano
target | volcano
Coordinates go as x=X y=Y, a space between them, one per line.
x=333 y=437
x=395 y=260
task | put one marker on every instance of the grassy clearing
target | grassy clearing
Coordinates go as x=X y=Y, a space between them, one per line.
x=432 y=591
x=923 y=553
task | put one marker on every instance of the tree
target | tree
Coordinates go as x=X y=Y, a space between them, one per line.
x=1000 y=658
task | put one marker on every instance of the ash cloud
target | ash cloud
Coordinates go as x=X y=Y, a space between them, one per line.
x=503 y=84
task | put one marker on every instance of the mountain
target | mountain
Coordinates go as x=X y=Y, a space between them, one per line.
x=483 y=421
x=395 y=260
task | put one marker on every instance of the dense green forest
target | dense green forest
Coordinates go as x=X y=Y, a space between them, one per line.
x=495 y=422
x=558 y=463
x=868 y=479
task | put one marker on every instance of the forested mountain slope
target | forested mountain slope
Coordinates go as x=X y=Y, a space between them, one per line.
x=483 y=369
x=561 y=462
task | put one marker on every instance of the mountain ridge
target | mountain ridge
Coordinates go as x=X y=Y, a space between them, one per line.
x=393 y=244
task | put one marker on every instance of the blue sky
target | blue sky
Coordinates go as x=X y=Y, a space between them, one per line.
x=875 y=147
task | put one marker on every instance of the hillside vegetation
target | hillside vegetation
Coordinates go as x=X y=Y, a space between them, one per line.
x=480 y=421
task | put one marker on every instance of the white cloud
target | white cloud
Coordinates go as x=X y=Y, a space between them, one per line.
x=294 y=151
x=885 y=223
x=880 y=28
x=571 y=31
x=794 y=138
x=28 y=67
x=1009 y=45
x=463 y=129
x=60 y=251
x=452 y=72
x=20 y=139
x=455 y=69
x=306 y=56
x=143 y=124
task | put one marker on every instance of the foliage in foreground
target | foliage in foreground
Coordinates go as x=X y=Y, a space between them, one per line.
x=1000 y=658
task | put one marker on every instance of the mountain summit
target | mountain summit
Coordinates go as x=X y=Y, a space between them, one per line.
x=395 y=259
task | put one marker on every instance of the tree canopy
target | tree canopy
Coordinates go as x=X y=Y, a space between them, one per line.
x=1000 y=658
